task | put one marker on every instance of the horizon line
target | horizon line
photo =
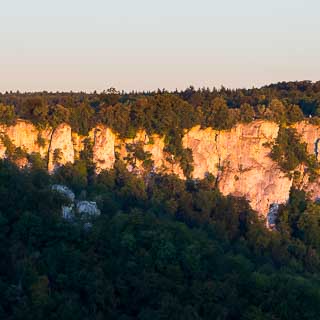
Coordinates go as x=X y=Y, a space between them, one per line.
x=163 y=90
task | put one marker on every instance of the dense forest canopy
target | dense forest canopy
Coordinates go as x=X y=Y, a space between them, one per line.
x=170 y=113
x=162 y=111
x=162 y=248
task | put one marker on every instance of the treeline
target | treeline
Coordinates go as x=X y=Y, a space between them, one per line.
x=162 y=111
x=165 y=113
x=162 y=248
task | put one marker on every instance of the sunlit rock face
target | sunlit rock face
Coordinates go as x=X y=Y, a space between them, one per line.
x=61 y=149
x=310 y=134
x=27 y=137
x=103 y=148
x=238 y=158
x=163 y=162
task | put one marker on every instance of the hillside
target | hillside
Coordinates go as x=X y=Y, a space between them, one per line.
x=182 y=205
x=239 y=158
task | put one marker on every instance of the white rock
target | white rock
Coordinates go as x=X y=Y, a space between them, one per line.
x=87 y=207
x=64 y=190
x=67 y=212
x=272 y=215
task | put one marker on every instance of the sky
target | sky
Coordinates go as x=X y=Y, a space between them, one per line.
x=82 y=45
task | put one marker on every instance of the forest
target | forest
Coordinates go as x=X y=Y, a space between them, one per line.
x=162 y=248
x=162 y=111
x=169 y=114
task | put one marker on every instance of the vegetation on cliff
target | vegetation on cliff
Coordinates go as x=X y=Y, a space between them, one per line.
x=288 y=151
x=165 y=113
x=162 y=248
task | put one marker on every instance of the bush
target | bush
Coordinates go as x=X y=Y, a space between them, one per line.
x=288 y=151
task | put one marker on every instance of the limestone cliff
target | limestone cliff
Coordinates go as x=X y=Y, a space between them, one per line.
x=103 y=148
x=163 y=162
x=238 y=158
x=26 y=136
x=61 y=149
x=240 y=161
x=310 y=134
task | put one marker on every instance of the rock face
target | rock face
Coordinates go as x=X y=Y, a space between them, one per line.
x=88 y=208
x=310 y=134
x=83 y=208
x=155 y=145
x=65 y=191
x=240 y=161
x=61 y=149
x=26 y=136
x=238 y=158
x=103 y=148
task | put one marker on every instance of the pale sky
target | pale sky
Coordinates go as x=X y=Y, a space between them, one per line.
x=145 y=44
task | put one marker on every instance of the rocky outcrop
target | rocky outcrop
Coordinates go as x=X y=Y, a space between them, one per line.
x=310 y=134
x=61 y=147
x=81 y=208
x=87 y=208
x=162 y=162
x=238 y=158
x=26 y=136
x=64 y=190
x=103 y=148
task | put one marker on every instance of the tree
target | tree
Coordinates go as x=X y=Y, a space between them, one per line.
x=294 y=114
x=219 y=116
x=309 y=225
x=7 y=115
x=35 y=109
x=276 y=111
x=247 y=113
x=58 y=114
x=82 y=118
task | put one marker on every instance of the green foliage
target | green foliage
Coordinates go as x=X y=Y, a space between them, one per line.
x=294 y=114
x=41 y=141
x=58 y=114
x=12 y=152
x=8 y=144
x=170 y=249
x=57 y=155
x=37 y=162
x=7 y=115
x=165 y=113
x=186 y=162
x=247 y=113
x=75 y=176
x=81 y=118
x=136 y=152
x=219 y=116
x=162 y=248
x=35 y=109
x=309 y=226
x=288 y=151
x=276 y=111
